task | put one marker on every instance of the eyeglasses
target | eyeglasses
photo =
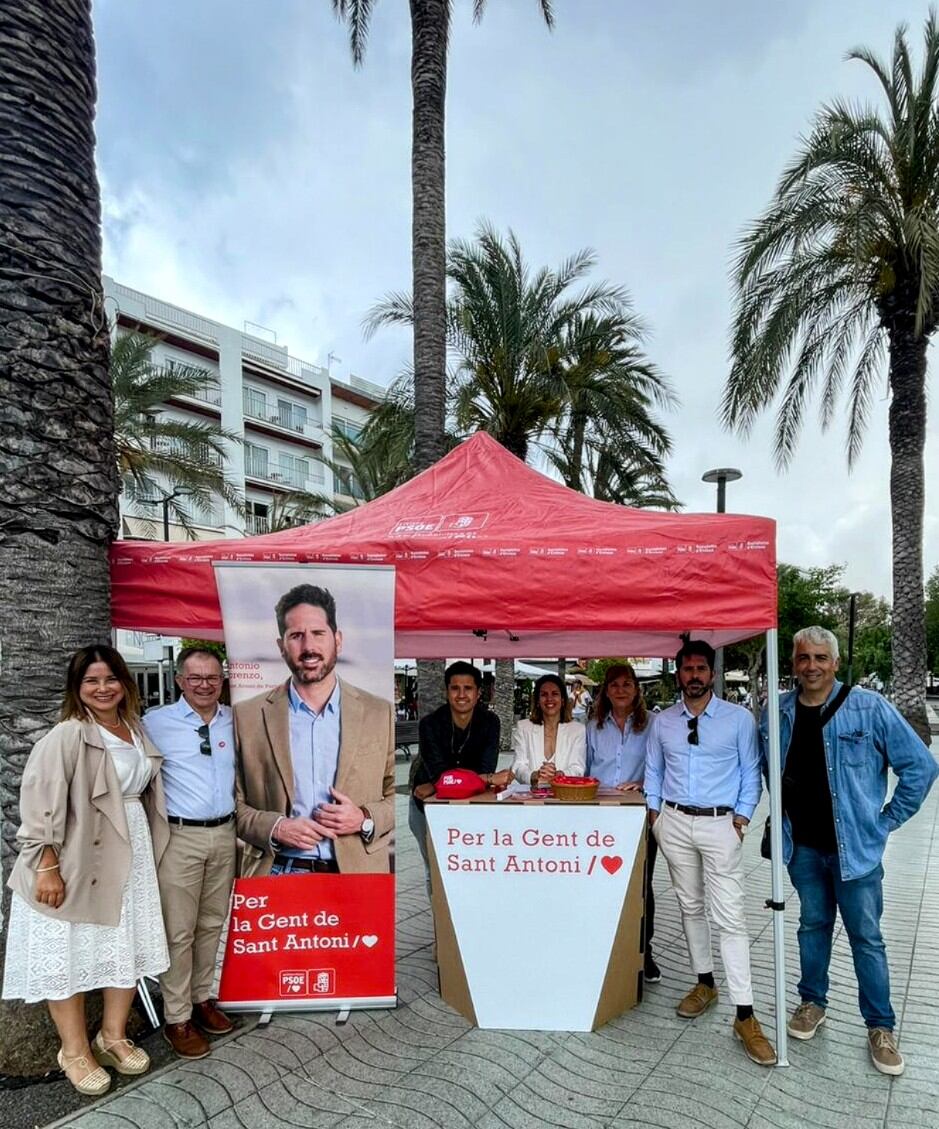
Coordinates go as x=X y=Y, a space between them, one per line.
x=198 y=679
x=693 y=731
x=205 y=747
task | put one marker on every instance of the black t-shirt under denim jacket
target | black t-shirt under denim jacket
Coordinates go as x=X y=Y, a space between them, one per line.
x=806 y=793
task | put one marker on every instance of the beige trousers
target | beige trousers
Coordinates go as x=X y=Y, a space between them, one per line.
x=196 y=875
x=704 y=856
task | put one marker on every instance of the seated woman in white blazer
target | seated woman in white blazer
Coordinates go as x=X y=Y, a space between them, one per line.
x=549 y=742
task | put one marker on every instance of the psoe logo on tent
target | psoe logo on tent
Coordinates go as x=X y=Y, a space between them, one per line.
x=417 y=526
x=434 y=525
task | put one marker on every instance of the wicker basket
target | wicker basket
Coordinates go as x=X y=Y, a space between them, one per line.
x=576 y=792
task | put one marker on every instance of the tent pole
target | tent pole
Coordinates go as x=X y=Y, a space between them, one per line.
x=775 y=812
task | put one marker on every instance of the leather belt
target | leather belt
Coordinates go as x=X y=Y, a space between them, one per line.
x=317 y=866
x=178 y=821
x=688 y=810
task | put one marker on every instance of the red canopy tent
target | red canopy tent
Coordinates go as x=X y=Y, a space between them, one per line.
x=494 y=559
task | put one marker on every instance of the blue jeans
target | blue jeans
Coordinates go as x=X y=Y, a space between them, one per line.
x=822 y=893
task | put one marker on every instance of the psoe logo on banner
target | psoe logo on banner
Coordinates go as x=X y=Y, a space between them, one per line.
x=293 y=982
x=321 y=981
x=440 y=525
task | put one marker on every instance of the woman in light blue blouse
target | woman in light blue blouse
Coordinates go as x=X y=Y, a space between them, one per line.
x=616 y=755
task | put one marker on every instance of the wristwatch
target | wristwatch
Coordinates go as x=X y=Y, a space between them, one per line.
x=367 y=830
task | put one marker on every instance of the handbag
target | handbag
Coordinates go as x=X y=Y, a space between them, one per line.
x=766 y=848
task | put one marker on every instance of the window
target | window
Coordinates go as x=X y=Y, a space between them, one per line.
x=348 y=484
x=290 y=415
x=347 y=427
x=256 y=461
x=296 y=471
x=257 y=518
x=255 y=403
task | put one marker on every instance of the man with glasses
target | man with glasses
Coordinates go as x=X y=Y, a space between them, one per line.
x=702 y=784
x=197 y=740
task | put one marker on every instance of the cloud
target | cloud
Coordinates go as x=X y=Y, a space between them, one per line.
x=251 y=173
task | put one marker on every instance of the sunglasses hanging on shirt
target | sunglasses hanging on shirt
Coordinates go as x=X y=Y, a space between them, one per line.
x=205 y=746
x=693 y=731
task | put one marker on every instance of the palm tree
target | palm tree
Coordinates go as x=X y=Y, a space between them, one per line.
x=533 y=359
x=508 y=329
x=58 y=505
x=607 y=441
x=839 y=272
x=534 y=362
x=153 y=448
x=430 y=32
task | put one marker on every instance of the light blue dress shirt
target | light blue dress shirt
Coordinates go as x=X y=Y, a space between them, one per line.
x=722 y=770
x=196 y=786
x=314 y=751
x=616 y=756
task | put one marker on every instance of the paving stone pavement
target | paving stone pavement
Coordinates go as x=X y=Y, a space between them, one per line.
x=422 y=1065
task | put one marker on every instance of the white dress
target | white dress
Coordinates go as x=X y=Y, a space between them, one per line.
x=51 y=959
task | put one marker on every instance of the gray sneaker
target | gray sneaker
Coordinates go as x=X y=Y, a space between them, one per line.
x=884 y=1054
x=805 y=1020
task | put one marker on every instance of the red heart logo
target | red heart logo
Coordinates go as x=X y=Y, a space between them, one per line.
x=611 y=863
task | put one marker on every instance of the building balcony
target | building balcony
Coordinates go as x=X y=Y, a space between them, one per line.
x=283 y=478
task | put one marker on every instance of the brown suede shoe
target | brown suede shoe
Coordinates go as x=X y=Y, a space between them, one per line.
x=185 y=1040
x=697 y=1001
x=208 y=1018
x=755 y=1043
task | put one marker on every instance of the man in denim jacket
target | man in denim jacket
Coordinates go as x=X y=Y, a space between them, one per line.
x=835 y=828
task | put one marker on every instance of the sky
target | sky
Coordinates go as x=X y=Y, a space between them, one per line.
x=250 y=173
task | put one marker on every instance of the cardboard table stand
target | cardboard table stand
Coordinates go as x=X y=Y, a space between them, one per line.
x=538 y=909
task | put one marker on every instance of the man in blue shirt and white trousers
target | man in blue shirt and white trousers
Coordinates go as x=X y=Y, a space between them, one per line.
x=835 y=748
x=702 y=785
x=197 y=739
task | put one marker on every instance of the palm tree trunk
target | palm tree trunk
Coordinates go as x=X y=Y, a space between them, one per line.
x=503 y=701
x=431 y=692
x=58 y=505
x=429 y=33
x=578 y=428
x=907 y=497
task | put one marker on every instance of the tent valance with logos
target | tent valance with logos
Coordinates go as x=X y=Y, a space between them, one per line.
x=495 y=559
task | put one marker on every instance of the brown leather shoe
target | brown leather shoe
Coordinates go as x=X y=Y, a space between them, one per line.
x=185 y=1040
x=208 y=1018
x=755 y=1043
x=697 y=1001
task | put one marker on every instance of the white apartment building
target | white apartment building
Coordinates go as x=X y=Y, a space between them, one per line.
x=280 y=407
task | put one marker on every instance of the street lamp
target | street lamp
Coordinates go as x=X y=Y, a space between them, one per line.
x=852 y=621
x=164 y=501
x=721 y=475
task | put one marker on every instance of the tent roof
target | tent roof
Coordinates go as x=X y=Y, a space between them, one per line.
x=495 y=559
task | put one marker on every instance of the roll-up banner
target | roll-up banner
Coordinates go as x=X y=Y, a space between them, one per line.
x=311 y=673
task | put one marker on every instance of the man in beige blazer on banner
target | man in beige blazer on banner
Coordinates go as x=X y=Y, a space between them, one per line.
x=315 y=769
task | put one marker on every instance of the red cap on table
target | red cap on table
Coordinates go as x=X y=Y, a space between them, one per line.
x=459 y=784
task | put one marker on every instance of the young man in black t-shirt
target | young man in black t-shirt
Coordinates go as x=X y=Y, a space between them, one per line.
x=462 y=733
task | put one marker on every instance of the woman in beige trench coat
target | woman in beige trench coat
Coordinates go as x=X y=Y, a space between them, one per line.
x=85 y=912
